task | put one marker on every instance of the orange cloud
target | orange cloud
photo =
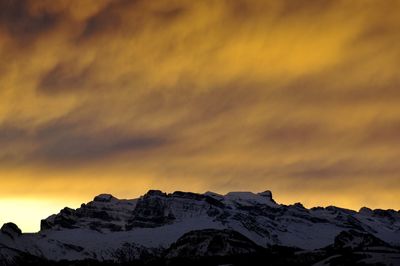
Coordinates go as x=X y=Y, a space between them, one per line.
x=121 y=96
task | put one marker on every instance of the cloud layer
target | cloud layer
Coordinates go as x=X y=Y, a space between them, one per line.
x=299 y=97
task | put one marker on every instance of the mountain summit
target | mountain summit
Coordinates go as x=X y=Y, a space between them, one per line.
x=160 y=227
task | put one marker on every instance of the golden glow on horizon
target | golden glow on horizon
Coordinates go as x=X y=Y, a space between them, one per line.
x=28 y=212
x=299 y=97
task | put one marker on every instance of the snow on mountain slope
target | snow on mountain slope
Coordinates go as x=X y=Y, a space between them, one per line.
x=250 y=199
x=103 y=227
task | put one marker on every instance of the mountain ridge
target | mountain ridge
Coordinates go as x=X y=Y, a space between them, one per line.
x=151 y=226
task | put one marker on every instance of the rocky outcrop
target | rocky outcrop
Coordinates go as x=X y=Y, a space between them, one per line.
x=152 y=210
x=211 y=242
x=104 y=213
x=11 y=230
x=353 y=239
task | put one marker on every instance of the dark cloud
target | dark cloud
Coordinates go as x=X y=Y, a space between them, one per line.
x=112 y=19
x=65 y=77
x=328 y=88
x=10 y=132
x=84 y=148
x=293 y=134
x=339 y=169
x=170 y=14
x=21 y=24
x=383 y=132
x=107 y=20
x=73 y=139
x=381 y=31
x=290 y=9
x=13 y=139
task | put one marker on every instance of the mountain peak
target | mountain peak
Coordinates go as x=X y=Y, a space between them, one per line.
x=365 y=211
x=11 y=229
x=214 y=195
x=155 y=192
x=267 y=194
x=104 y=198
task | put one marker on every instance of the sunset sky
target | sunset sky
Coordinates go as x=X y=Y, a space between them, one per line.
x=301 y=97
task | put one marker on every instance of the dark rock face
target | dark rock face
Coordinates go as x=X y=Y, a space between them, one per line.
x=45 y=225
x=94 y=213
x=65 y=219
x=105 y=212
x=337 y=210
x=104 y=198
x=14 y=257
x=267 y=194
x=155 y=208
x=390 y=215
x=155 y=193
x=299 y=206
x=11 y=230
x=353 y=239
x=198 y=197
x=151 y=211
x=211 y=242
x=365 y=211
x=131 y=253
x=187 y=195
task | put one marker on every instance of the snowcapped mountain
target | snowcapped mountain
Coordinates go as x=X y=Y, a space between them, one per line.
x=184 y=224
